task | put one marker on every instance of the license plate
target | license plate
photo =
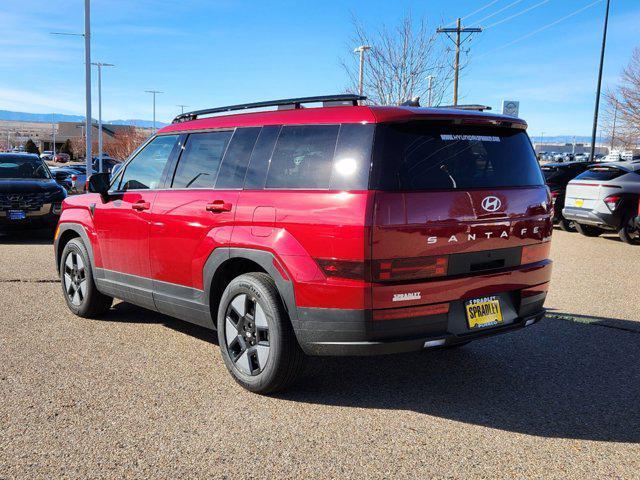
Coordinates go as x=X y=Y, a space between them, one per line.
x=578 y=202
x=483 y=312
x=16 y=215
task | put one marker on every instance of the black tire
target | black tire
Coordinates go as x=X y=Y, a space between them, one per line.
x=81 y=295
x=567 y=225
x=628 y=231
x=588 y=230
x=251 y=318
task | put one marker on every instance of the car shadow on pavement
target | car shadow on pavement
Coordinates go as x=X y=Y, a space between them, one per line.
x=557 y=379
x=127 y=313
x=27 y=237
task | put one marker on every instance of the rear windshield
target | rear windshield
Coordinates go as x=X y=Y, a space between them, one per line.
x=17 y=166
x=601 y=173
x=418 y=156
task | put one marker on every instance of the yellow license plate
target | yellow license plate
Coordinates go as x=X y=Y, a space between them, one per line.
x=484 y=312
x=578 y=202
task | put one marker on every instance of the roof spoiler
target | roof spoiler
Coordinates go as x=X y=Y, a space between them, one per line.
x=284 y=104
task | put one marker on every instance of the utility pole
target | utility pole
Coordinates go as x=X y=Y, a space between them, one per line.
x=153 y=92
x=182 y=107
x=458 y=41
x=100 y=65
x=87 y=75
x=430 y=88
x=599 y=87
x=361 y=49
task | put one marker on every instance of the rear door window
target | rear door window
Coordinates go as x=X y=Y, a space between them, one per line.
x=234 y=164
x=601 y=173
x=198 y=166
x=419 y=156
x=259 y=161
x=303 y=157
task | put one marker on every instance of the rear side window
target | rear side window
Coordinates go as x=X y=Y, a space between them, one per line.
x=419 y=156
x=601 y=173
x=259 y=161
x=303 y=157
x=234 y=164
x=200 y=161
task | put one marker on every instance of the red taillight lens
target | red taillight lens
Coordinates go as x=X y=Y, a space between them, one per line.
x=341 y=268
x=612 y=202
x=74 y=177
x=409 y=312
x=535 y=253
x=409 y=268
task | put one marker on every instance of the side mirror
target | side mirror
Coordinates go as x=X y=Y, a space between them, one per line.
x=99 y=183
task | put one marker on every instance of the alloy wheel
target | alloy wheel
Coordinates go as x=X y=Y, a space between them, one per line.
x=75 y=278
x=247 y=334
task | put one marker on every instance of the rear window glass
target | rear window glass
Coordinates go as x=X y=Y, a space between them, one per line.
x=303 y=156
x=234 y=164
x=601 y=173
x=418 y=156
x=259 y=160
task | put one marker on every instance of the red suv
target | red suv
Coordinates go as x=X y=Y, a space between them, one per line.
x=336 y=230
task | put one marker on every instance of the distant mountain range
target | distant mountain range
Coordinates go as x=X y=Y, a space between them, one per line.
x=58 y=117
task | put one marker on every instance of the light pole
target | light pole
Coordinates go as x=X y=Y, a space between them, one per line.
x=154 y=92
x=599 y=87
x=182 y=108
x=430 y=88
x=87 y=78
x=100 y=65
x=361 y=49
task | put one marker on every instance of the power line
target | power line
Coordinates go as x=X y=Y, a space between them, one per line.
x=474 y=12
x=522 y=12
x=499 y=11
x=538 y=30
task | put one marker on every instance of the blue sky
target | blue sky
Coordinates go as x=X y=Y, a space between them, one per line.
x=205 y=53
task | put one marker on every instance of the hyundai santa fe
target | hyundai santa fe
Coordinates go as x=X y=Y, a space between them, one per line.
x=339 y=229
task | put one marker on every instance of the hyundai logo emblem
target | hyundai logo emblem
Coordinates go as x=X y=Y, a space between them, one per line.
x=491 y=204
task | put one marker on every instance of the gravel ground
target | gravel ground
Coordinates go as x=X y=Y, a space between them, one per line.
x=141 y=395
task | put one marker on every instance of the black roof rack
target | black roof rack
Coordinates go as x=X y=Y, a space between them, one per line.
x=328 y=100
x=478 y=108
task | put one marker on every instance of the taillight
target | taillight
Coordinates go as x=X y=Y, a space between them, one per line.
x=409 y=268
x=612 y=202
x=332 y=267
x=554 y=195
x=74 y=178
x=535 y=253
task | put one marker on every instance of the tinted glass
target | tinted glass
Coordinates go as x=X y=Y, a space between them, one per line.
x=199 y=163
x=418 y=156
x=259 y=162
x=303 y=157
x=352 y=160
x=234 y=164
x=146 y=169
x=601 y=173
x=22 y=166
x=555 y=174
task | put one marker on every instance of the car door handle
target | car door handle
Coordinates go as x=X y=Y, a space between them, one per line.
x=141 y=205
x=218 y=206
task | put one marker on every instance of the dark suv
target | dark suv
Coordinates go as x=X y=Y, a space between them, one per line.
x=29 y=195
x=337 y=230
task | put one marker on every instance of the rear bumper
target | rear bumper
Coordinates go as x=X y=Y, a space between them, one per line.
x=339 y=332
x=593 y=217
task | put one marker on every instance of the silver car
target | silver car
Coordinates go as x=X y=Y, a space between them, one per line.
x=606 y=197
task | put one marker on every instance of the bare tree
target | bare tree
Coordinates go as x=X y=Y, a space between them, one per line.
x=623 y=106
x=399 y=62
x=125 y=141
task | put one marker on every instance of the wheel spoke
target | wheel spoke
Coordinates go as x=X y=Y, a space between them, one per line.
x=230 y=331
x=82 y=288
x=67 y=281
x=239 y=305
x=243 y=362
x=263 y=355
x=260 y=318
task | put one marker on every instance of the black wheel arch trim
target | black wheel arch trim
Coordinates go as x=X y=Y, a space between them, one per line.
x=81 y=232
x=265 y=260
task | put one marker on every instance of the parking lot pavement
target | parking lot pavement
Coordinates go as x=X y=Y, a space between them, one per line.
x=139 y=394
